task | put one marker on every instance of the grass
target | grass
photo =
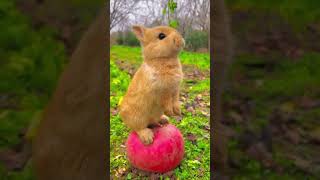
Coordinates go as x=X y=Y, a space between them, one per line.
x=133 y=55
x=26 y=174
x=286 y=80
x=278 y=87
x=296 y=12
x=29 y=69
x=31 y=61
x=252 y=169
x=197 y=156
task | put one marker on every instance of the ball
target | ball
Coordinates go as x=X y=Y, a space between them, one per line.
x=164 y=154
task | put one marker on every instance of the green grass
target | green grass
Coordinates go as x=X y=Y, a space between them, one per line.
x=200 y=60
x=252 y=169
x=201 y=86
x=295 y=79
x=197 y=156
x=286 y=80
x=26 y=174
x=133 y=56
x=296 y=12
x=31 y=62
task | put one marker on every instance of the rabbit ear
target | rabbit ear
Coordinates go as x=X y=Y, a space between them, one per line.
x=138 y=31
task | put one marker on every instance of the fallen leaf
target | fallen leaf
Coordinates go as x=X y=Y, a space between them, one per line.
x=191 y=137
x=120 y=172
x=206 y=127
x=205 y=113
x=123 y=146
x=178 y=118
x=288 y=107
x=198 y=97
x=315 y=135
x=302 y=163
x=13 y=161
x=191 y=109
x=114 y=112
x=307 y=102
x=16 y=158
x=235 y=116
x=168 y=174
x=196 y=73
x=154 y=176
x=293 y=136
x=259 y=152
x=229 y=132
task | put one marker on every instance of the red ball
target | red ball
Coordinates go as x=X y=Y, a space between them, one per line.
x=164 y=154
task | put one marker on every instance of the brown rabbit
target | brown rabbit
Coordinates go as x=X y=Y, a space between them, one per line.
x=154 y=89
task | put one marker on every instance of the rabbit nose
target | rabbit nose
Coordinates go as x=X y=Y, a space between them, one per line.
x=178 y=41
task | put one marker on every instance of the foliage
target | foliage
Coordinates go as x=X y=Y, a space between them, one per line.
x=26 y=174
x=119 y=84
x=252 y=169
x=169 y=11
x=127 y=38
x=118 y=132
x=276 y=87
x=196 y=39
x=279 y=82
x=297 y=12
x=31 y=61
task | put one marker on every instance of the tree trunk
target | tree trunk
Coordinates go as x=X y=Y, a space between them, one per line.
x=71 y=140
x=221 y=57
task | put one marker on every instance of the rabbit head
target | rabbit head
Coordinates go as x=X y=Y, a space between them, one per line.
x=159 y=42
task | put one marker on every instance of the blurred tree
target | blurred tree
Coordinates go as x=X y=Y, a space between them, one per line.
x=196 y=39
x=127 y=38
x=120 y=10
x=188 y=17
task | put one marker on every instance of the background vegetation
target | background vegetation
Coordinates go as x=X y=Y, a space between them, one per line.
x=33 y=51
x=191 y=18
x=31 y=61
x=272 y=100
x=195 y=40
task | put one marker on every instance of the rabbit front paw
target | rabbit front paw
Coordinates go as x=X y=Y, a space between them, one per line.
x=146 y=136
x=176 y=109
x=168 y=108
x=169 y=111
x=164 y=119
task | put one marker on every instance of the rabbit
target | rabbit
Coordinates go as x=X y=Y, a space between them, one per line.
x=153 y=93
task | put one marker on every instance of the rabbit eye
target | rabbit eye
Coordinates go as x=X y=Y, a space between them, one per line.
x=162 y=36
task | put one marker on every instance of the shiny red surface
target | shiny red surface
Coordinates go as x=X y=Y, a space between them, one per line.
x=164 y=154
